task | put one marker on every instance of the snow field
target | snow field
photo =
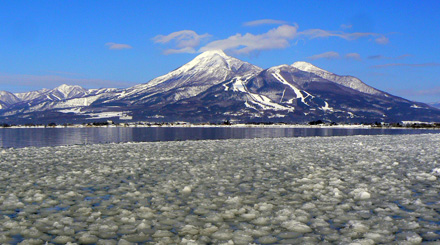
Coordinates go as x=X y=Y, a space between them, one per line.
x=357 y=189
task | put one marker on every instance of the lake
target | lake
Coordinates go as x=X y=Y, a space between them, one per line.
x=378 y=189
x=39 y=137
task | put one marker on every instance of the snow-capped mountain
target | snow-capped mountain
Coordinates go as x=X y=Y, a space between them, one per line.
x=207 y=69
x=27 y=96
x=347 y=81
x=70 y=97
x=286 y=93
x=217 y=87
x=7 y=99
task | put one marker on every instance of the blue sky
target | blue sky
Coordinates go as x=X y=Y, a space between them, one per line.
x=390 y=45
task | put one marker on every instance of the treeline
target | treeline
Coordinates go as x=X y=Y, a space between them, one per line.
x=225 y=123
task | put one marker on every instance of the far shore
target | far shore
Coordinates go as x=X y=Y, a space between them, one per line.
x=314 y=124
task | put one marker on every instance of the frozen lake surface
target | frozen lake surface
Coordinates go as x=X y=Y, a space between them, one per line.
x=25 y=137
x=356 y=189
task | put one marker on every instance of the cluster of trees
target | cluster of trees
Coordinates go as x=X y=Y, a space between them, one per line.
x=320 y=122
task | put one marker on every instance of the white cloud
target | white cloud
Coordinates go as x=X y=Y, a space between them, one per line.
x=118 y=46
x=319 y=33
x=326 y=55
x=382 y=40
x=355 y=56
x=346 y=26
x=188 y=41
x=188 y=50
x=185 y=41
x=382 y=57
x=265 y=22
x=276 y=38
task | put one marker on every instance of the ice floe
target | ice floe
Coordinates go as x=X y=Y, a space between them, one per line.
x=347 y=190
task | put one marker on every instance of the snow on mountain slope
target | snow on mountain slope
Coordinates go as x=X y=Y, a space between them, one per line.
x=210 y=63
x=66 y=91
x=61 y=97
x=214 y=86
x=348 y=81
x=61 y=92
x=207 y=69
x=8 y=98
x=291 y=94
x=26 y=96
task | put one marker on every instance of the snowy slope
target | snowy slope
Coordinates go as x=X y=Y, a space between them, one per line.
x=348 y=81
x=27 y=96
x=215 y=87
x=211 y=65
x=287 y=93
x=7 y=99
x=207 y=69
x=61 y=97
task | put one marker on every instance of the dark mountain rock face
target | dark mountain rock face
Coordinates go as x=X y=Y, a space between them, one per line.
x=215 y=87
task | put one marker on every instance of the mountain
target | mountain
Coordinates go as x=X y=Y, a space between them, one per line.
x=52 y=104
x=214 y=87
x=347 y=81
x=7 y=99
x=286 y=93
x=208 y=69
x=437 y=105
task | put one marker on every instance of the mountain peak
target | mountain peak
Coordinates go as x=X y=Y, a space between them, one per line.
x=214 y=52
x=207 y=69
x=65 y=91
x=66 y=87
x=347 y=81
x=211 y=61
x=210 y=58
x=306 y=66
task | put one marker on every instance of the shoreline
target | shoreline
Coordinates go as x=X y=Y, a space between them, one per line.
x=240 y=125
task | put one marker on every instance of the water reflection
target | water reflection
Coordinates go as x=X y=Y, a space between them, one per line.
x=23 y=137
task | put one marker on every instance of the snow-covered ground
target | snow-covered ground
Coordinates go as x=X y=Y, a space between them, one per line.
x=361 y=189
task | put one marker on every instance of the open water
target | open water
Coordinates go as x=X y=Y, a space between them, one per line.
x=25 y=137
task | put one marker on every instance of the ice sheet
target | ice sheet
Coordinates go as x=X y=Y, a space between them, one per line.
x=356 y=189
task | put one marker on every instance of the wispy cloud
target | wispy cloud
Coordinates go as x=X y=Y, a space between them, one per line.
x=65 y=73
x=382 y=40
x=326 y=55
x=188 y=50
x=185 y=41
x=188 y=41
x=382 y=57
x=118 y=46
x=406 y=65
x=376 y=57
x=319 y=33
x=346 y=26
x=431 y=94
x=354 y=56
x=276 y=38
x=51 y=81
x=265 y=22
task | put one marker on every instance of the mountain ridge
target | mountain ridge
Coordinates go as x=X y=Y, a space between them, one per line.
x=215 y=87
